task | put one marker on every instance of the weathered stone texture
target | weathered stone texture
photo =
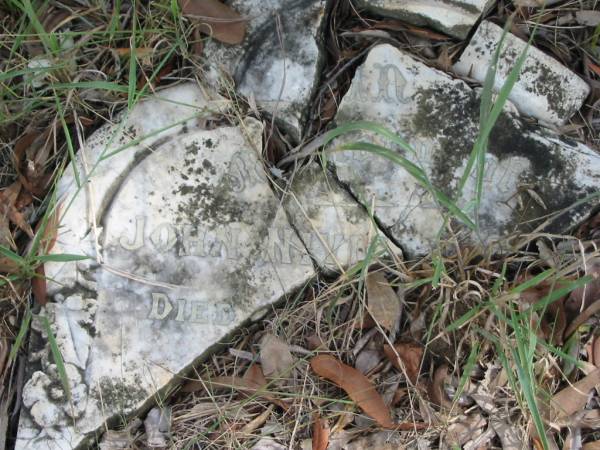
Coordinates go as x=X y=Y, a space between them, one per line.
x=336 y=230
x=546 y=89
x=453 y=17
x=187 y=246
x=439 y=116
x=278 y=63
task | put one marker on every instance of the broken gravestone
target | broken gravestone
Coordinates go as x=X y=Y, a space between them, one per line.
x=529 y=172
x=336 y=230
x=278 y=63
x=182 y=229
x=545 y=89
x=453 y=17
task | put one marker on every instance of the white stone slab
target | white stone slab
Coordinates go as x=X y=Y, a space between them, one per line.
x=453 y=17
x=546 y=89
x=335 y=229
x=187 y=231
x=439 y=116
x=279 y=61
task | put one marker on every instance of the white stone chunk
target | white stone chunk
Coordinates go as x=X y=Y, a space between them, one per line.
x=529 y=172
x=546 y=89
x=336 y=230
x=185 y=248
x=279 y=61
x=453 y=17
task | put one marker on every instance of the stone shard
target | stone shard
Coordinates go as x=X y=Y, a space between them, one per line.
x=546 y=89
x=453 y=17
x=182 y=228
x=335 y=229
x=279 y=61
x=529 y=172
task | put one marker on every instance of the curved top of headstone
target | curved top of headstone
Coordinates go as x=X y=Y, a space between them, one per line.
x=182 y=229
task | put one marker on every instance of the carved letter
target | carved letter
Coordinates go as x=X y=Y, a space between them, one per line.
x=161 y=306
x=200 y=312
x=278 y=246
x=138 y=237
x=164 y=237
x=193 y=241
x=181 y=309
x=387 y=91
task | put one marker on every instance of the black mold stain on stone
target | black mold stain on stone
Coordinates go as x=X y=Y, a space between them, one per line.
x=450 y=114
x=116 y=394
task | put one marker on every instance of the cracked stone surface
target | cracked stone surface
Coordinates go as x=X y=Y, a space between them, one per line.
x=335 y=229
x=546 y=89
x=529 y=172
x=186 y=246
x=453 y=17
x=278 y=63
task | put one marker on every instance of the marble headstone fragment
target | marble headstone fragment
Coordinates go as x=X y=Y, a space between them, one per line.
x=278 y=63
x=546 y=89
x=336 y=230
x=453 y=17
x=182 y=228
x=529 y=172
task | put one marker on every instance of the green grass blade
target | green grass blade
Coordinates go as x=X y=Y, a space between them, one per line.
x=132 y=61
x=532 y=282
x=23 y=329
x=58 y=359
x=67 y=133
x=413 y=170
x=554 y=295
x=100 y=85
x=8 y=253
x=367 y=126
x=61 y=257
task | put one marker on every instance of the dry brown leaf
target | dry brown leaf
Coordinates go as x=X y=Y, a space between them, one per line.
x=257 y=422
x=384 y=305
x=314 y=342
x=275 y=357
x=48 y=239
x=594 y=68
x=595 y=445
x=4 y=351
x=7 y=209
x=367 y=360
x=357 y=386
x=365 y=322
x=31 y=155
x=254 y=377
x=320 y=433
x=252 y=383
x=437 y=393
x=382 y=440
x=508 y=434
x=268 y=443
x=359 y=389
x=573 y=398
x=216 y=19
x=38 y=286
x=467 y=428
x=582 y=297
x=594 y=357
x=139 y=52
x=408 y=355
